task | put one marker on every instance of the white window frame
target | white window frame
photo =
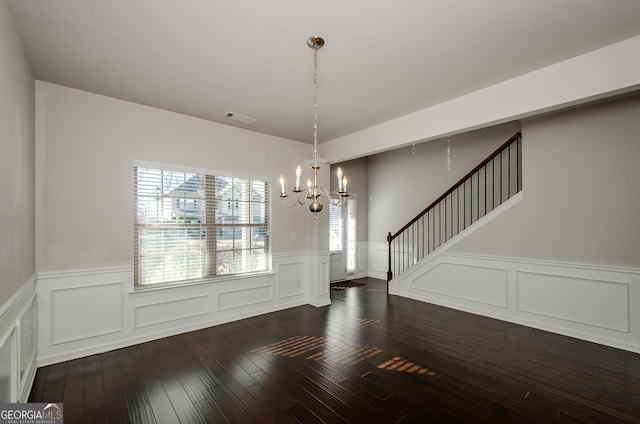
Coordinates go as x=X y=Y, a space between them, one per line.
x=209 y=274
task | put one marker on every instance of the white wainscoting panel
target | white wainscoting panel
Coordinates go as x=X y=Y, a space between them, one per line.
x=171 y=310
x=319 y=269
x=26 y=332
x=17 y=343
x=325 y=272
x=8 y=373
x=595 y=303
x=249 y=296
x=378 y=262
x=468 y=282
x=589 y=301
x=290 y=282
x=84 y=312
x=362 y=258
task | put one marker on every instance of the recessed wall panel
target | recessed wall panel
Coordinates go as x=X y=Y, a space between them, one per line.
x=592 y=302
x=6 y=367
x=171 y=310
x=475 y=283
x=82 y=312
x=289 y=280
x=244 y=297
x=325 y=271
x=27 y=340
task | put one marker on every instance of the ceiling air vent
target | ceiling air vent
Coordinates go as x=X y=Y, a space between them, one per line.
x=240 y=118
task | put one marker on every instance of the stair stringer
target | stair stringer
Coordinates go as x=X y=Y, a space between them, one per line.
x=399 y=285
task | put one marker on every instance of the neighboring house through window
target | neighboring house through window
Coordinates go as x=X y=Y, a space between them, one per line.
x=193 y=225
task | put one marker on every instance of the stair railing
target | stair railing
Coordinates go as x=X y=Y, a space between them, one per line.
x=495 y=180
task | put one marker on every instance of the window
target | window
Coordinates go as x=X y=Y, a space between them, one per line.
x=193 y=226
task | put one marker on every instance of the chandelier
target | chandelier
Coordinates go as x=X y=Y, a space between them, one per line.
x=313 y=192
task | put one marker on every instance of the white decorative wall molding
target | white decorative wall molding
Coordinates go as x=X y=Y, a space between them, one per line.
x=26 y=349
x=473 y=283
x=84 y=312
x=248 y=296
x=17 y=343
x=8 y=366
x=377 y=260
x=290 y=279
x=600 y=304
x=170 y=310
x=362 y=258
x=319 y=275
x=83 y=273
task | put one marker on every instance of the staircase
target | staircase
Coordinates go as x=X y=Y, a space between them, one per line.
x=495 y=180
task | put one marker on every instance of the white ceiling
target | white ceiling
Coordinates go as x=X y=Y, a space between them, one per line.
x=382 y=59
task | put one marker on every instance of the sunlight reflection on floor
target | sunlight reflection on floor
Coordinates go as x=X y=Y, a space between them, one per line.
x=334 y=352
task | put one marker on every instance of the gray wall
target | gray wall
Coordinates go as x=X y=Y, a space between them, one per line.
x=17 y=243
x=86 y=146
x=581 y=190
x=404 y=181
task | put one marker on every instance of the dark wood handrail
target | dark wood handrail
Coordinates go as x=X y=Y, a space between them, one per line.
x=492 y=156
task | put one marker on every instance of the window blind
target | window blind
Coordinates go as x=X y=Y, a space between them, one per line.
x=190 y=226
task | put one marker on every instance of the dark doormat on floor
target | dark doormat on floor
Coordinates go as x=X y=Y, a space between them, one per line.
x=343 y=285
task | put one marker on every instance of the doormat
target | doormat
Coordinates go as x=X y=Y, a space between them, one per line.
x=343 y=285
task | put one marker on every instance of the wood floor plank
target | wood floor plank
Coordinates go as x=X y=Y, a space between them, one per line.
x=93 y=392
x=160 y=402
x=368 y=357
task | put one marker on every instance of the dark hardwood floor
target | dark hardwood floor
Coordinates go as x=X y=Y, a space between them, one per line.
x=368 y=357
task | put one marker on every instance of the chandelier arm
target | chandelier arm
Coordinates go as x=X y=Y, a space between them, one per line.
x=334 y=201
x=297 y=200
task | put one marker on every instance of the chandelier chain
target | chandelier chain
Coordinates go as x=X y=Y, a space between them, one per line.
x=315 y=105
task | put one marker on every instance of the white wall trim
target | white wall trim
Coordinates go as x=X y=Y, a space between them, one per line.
x=139 y=322
x=256 y=301
x=29 y=360
x=48 y=275
x=59 y=307
x=533 y=261
x=597 y=303
x=14 y=324
x=71 y=327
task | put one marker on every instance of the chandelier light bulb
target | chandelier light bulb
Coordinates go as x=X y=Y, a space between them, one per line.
x=298 y=175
